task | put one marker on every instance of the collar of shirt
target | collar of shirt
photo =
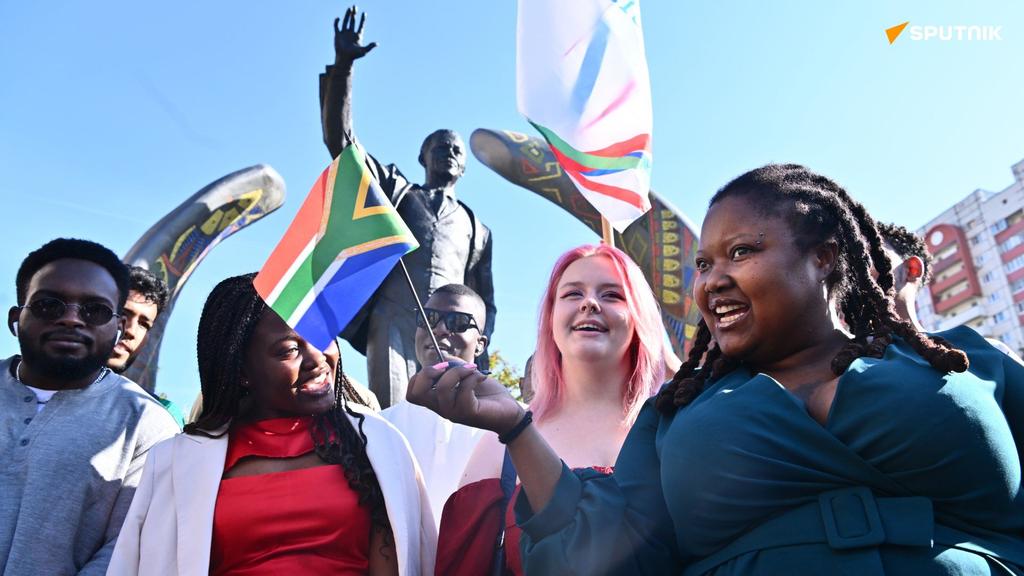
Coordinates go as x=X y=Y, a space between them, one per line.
x=448 y=192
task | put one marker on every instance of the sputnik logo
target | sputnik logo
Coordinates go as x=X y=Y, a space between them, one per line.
x=946 y=33
x=894 y=32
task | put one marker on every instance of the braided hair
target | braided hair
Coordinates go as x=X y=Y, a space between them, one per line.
x=227 y=324
x=818 y=210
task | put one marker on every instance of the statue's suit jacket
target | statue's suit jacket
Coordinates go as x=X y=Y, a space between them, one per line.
x=476 y=270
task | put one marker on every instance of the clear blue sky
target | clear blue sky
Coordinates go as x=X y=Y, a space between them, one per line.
x=113 y=112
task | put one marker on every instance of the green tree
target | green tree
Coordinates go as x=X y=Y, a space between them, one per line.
x=505 y=372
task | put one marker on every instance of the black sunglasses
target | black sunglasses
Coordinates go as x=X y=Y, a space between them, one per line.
x=49 y=308
x=454 y=321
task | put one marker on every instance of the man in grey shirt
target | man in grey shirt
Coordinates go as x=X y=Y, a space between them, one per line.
x=73 y=435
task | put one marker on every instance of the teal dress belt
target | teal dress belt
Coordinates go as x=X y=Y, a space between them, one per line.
x=854 y=520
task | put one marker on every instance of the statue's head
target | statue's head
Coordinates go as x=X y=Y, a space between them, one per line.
x=443 y=156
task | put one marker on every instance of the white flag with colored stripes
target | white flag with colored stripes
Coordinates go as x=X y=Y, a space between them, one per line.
x=582 y=81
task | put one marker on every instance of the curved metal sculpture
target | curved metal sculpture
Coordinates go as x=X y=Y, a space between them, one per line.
x=178 y=242
x=663 y=242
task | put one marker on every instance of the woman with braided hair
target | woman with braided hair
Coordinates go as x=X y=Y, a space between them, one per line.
x=786 y=443
x=279 y=474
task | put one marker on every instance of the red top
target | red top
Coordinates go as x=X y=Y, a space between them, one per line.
x=470 y=524
x=306 y=521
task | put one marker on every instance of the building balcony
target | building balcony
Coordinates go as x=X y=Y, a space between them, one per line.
x=940 y=265
x=1012 y=253
x=943 y=306
x=972 y=313
x=939 y=287
x=939 y=238
x=1015 y=275
x=1009 y=231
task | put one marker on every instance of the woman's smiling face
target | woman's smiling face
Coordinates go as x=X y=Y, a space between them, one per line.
x=590 y=316
x=286 y=375
x=758 y=292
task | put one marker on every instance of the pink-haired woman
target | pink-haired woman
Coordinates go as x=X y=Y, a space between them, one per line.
x=600 y=354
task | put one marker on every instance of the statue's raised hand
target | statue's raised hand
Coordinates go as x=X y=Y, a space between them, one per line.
x=347 y=47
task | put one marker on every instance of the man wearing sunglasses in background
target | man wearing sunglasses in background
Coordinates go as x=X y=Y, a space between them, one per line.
x=457 y=316
x=73 y=435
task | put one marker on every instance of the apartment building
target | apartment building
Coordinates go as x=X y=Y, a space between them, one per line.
x=978 y=273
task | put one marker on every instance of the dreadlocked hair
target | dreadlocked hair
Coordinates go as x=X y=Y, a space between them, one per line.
x=819 y=211
x=226 y=326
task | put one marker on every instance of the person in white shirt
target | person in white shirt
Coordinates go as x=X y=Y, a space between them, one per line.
x=457 y=316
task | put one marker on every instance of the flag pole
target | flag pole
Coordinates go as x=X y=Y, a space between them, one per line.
x=607 y=232
x=419 y=308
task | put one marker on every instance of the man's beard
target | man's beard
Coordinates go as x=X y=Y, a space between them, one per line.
x=122 y=368
x=62 y=368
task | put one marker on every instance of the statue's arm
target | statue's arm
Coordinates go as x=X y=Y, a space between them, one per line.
x=336 y=83
x=485 y=284
x=335 y=108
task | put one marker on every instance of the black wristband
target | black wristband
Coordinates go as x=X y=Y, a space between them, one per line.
x=517 y=429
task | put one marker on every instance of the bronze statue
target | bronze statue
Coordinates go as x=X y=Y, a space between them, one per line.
x=455 y=247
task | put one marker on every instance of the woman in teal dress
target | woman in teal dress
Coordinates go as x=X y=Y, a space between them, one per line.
x=787 y=443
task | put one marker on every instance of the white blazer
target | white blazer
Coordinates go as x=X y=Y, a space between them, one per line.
x=442 y=448
x=169 y=527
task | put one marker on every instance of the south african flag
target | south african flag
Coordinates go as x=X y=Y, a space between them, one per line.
x=344 y=241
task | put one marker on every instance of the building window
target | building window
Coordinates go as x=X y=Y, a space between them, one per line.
x=945 y=253
x=993 y=297
x=1015 y=217
x=1017 y=286
x=1015 y=264
x=1006 y=338
x=972 y=223
x=954 y=290
x=1019 y=306
x=950 y=272
x=1000 y=316
x=979 y=259
x=1011 y=243
x=998 y=227
x=987 y=277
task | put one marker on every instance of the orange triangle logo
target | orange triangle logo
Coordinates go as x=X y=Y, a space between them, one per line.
x=894 y=32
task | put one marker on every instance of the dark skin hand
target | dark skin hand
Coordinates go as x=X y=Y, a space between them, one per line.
x=461 y=393
x=347 y=46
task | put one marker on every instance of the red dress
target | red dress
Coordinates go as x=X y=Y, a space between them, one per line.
x=470 y=524
x=306 y=521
